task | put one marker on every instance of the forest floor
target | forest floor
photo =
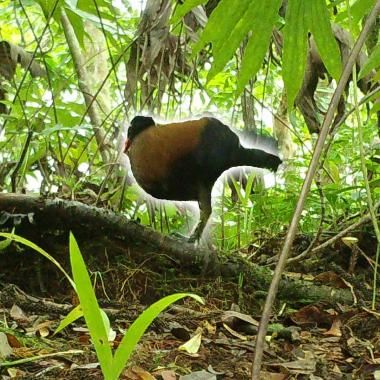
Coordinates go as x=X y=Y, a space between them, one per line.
x=326 y=330
x=189 y=340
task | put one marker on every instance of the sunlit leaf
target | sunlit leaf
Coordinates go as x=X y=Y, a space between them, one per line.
x=77 y=24
x=295 y=47
x=90 y=307
x=357 y=11
x=139 y=326
x=182 y=9
x=226 y=13
x=225 y=48
x=324 y=38
x=48 y=6
x=74 y=314
x=372 y=63
x=193 y=344
x=265 y=15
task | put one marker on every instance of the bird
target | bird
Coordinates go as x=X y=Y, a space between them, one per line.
x=181 y=161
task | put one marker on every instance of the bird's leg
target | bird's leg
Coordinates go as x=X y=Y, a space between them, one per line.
x=204 y=200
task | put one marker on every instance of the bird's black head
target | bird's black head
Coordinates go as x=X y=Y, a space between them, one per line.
x=139 y=124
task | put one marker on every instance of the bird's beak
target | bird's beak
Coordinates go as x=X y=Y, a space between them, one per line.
x=127 y=145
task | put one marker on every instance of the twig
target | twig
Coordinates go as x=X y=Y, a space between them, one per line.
x=20 y=161
x=363 y=220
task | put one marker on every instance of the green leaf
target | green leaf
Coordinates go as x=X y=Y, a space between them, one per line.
x=88 y=16
x=48 y=6
x=61 y=128
x=265 y=15
x=360 y=9
x=225 y=48
x=91 y=310
x=324 y=38
x=182 y=9
x=375 y=108
x=38 y=154
x=35 y=247
x=77 y=24
x=357 y=10
x=139 y=326
x=372 y=63
x=295 y=47
x=227 y=13
x=6 y=243
x=74 y=314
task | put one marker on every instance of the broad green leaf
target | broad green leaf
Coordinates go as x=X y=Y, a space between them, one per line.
x=87 y=16
x=74 y=314
x=226 y=14
x=225 y=48
x=77 y=24
x=238 y=26
x=7 y=242
x=48 y=6
x=182 y=9
x=361 y=8
x=89 y=6
x=71 y=3
x=372 y=63
x=324 y=38
x=61 y=128
x=139 y=326
x=265 y=15
x=38 y=154
x=375 y=183
x=357 y=10
x=334 y=172
x=375 y=108
x=35 y=247
x=295 y=47
x=91 y=310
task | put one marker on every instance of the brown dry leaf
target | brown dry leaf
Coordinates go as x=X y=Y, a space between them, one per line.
x=27 y=352
x=234 y=333
x=166 y=374
x=15 y=373
x=335 y=329
x=299 y=276
x=85 y=366
x=332 y=279
x=311 y=314
x=229 y=314
x=5 y=349
x=264 y=375
x=44 y=332
x=13 y=341
x=199 y=375
x=305 y=365
x=192 y=345
x=137 y=373
x=210 y=328
x=42 y=329
x=18 y=315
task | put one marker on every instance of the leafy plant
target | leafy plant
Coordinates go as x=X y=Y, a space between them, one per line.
x=96 y=320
